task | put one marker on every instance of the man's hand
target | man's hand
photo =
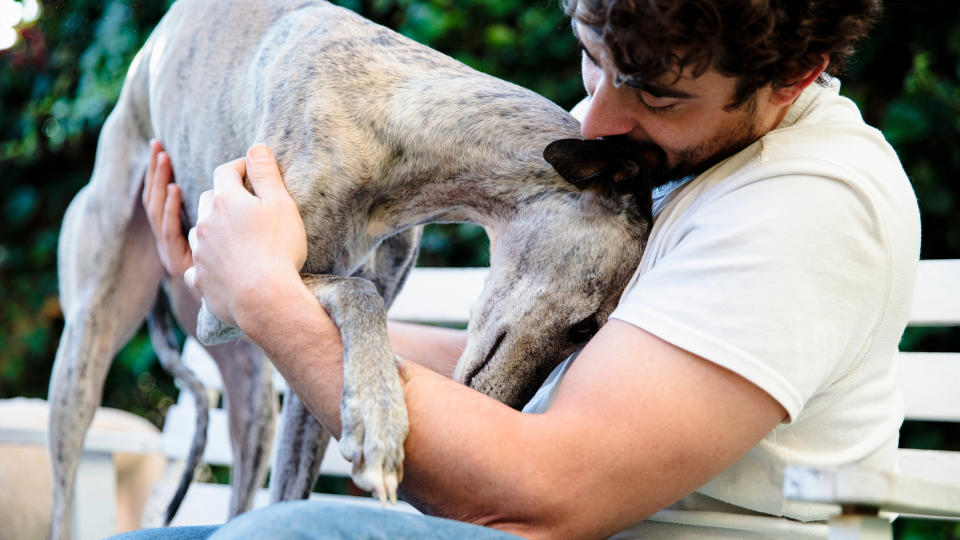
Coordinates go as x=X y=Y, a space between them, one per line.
x=162 y=200
x=245 y=242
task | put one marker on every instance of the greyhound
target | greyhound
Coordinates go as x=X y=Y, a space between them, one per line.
x=375 y=135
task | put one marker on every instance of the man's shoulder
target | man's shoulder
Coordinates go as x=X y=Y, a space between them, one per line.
x=825 y=128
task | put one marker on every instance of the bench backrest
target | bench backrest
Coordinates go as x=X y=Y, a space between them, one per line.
x=930 y=380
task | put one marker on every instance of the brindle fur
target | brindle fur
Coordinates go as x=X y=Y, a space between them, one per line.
x=375 y=135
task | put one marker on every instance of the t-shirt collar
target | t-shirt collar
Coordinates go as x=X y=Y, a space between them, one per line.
x=806 y=98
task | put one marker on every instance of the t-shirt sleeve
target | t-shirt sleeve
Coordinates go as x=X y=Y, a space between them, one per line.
x=780 y=281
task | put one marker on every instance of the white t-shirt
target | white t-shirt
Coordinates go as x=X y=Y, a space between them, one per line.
x=791 y=263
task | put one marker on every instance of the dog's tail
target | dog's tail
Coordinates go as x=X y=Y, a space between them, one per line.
x=160 y=325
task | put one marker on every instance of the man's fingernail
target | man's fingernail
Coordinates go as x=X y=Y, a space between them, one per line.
x=190 y=277
x=259 y=151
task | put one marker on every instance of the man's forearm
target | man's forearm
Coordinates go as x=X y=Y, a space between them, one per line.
x=303 y=344
x=447 y=420
x=462 y=457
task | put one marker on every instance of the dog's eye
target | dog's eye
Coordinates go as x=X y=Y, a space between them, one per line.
x=583 y=330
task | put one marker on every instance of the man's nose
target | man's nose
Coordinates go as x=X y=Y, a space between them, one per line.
x=607 y=113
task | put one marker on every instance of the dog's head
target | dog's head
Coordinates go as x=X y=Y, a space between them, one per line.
x=558 y=270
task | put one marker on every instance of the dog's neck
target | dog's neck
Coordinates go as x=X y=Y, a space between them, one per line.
x=481 y=163
x=489 y=194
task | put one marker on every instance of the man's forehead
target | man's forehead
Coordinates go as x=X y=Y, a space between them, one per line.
x=599 y=51
x=678 y=82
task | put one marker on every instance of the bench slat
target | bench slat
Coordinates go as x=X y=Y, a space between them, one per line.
x=177 y=438
x=854 y=485
x=936 y=301
x=95 y=441
x=939 y=465
x=441 y=295
x=929 y=385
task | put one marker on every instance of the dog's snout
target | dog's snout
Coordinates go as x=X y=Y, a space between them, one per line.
x=486 y=360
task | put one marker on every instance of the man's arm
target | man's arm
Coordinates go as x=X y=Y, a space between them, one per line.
x=637 y=422
x=636 y=425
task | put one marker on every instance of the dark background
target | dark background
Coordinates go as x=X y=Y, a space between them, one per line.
x=60 y=81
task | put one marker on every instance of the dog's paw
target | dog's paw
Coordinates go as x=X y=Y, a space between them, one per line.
x=374 y=429
x=213 y=331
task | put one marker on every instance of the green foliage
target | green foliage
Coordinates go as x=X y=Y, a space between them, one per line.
x=907 y=81
x=916 y=529
x=56 y=88
x=528 y=43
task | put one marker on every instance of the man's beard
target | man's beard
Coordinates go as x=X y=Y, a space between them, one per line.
x=696 y=160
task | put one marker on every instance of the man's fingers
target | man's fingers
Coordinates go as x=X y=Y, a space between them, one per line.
x=259 y=166
x=150 y=179
x=263 y=173
x=192 y=239
x=190 y=278
x=229 y=176
x=152 y=183
x=162 y=171
x=204 y=204
x=159 y=176
x=172 y=228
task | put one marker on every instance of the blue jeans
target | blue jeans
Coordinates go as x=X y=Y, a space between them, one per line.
x=322 y=520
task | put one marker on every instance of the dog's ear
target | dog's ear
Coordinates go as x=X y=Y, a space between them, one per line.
x=606 y=174
x=586 y=162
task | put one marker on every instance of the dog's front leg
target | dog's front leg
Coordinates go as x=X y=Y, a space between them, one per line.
x=213 y=331
x=373 y=413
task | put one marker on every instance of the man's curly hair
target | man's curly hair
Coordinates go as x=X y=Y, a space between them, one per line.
x=758 y=42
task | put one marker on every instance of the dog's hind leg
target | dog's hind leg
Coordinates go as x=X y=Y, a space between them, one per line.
x=252 y=408
x=389 y=266
x=109 y=274
x=303 y=440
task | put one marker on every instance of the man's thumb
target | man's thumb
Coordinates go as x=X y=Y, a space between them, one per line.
x=263 y=172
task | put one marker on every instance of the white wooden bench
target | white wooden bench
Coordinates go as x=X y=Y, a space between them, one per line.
x=929 y=484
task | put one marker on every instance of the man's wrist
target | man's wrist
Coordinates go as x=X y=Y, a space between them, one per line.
x=288 y=322
x=265 y=302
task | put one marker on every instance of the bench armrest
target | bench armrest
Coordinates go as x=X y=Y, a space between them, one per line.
x=865 y=487
x=99 y=441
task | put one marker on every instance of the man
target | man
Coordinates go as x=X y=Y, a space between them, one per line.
x=759 y=330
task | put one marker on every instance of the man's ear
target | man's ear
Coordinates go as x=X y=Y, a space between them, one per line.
x=785 y=94
x=585 y=162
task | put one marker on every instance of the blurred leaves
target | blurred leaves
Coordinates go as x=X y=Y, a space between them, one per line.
x=907 y=81
x=56 y=87
x=456 y=244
